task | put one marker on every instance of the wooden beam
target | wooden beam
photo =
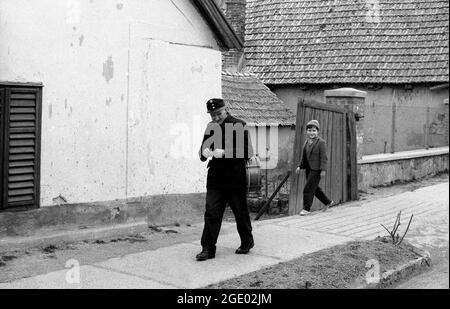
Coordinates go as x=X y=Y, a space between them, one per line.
x=324 y=106
x=17 y=84
x=439 y=87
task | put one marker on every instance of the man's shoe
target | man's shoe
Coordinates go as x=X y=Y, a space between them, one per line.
x=205 y=255
x=244 y=249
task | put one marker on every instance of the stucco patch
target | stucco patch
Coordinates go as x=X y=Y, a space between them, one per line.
x=197 y=69
x=415 y=139
x=108 y=69
x=150 y=163
x=59 y=200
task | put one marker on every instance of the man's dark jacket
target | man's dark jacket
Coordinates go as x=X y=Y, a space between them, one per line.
x=228 y=172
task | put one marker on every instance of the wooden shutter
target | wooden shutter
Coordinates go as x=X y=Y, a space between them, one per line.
x=21 y=147
x=2 y=108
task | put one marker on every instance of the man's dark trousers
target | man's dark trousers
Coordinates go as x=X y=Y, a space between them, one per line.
x=312 y=189
x=216 y=201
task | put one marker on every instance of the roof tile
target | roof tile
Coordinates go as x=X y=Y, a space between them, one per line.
x=249 y=99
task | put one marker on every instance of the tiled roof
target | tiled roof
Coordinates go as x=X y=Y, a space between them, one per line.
x=250 y=100
x=348 y=41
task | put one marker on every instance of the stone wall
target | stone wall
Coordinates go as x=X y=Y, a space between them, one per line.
x=389 y=172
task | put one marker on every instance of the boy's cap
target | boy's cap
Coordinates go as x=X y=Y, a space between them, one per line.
x=313 y=123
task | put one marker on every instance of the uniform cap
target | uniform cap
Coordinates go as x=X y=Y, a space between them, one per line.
x=214 y=104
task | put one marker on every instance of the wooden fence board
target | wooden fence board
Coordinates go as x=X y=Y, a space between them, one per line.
x=344 y=157
x=331 y=155
x=297 y=149
x=339 y=169
x=353 y=157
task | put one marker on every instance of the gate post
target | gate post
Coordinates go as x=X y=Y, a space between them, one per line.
x=352 y=100
x=446 y=119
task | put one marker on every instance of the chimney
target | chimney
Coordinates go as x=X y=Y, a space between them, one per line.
x=234 y=60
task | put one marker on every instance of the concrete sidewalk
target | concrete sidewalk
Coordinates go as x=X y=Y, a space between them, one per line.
x=276 y=241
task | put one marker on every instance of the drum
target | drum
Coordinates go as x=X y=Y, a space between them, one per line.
x=254 y=182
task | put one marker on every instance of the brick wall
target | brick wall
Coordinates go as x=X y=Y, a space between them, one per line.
x=234 y=60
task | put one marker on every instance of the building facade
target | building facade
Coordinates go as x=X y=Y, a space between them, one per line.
x=120 y=84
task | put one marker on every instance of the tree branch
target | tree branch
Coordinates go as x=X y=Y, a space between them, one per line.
x=407 y=228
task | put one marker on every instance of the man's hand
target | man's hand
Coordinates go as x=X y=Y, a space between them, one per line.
x=207 y=153
x=297 y=171
x=322 y=174
x=218 y=153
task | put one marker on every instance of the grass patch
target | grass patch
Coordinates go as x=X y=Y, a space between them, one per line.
x=50 y=249
x=7 y=258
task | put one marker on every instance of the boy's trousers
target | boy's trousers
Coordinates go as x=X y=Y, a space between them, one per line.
x=312 y=189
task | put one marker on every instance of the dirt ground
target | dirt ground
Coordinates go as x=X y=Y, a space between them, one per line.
x=338 y=267
x=34 y=261
x=39 y=260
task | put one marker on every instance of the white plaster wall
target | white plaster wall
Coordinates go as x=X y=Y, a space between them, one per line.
x=168 y=116
x=115 y=75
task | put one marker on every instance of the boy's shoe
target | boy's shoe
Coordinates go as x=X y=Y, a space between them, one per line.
x=328 y=206
x=304 y=212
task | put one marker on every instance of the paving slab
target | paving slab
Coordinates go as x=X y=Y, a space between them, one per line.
x=284 y=243
x=90 y=278
x=176 y=265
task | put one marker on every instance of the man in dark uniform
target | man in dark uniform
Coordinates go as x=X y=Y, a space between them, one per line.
x=227 y=142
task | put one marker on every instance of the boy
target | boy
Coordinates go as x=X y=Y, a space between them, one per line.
x=314 y=161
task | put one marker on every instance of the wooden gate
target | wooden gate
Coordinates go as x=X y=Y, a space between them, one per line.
x=337 y=127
